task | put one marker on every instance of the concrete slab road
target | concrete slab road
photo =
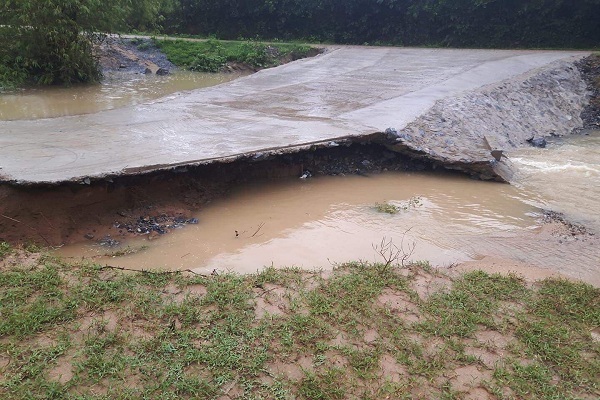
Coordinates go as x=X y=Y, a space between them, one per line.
x=347 y=91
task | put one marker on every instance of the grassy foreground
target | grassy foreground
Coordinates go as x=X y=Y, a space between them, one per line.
x=214 y=55
x=364 y=331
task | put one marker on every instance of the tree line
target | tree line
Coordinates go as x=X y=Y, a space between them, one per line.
x=457 y=23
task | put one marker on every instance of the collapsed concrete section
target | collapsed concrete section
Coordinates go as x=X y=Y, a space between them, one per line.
x=449 y=107
x=461 y=132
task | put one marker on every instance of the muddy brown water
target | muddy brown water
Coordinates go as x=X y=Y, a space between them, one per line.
x=324 y=220
x=563 y=177
x=319 y=222
x=117 y=90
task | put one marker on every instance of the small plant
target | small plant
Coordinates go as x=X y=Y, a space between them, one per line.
x=387 y=208
x=393 y=254
x=390 y=208
x=5 y=249
x=207 y=63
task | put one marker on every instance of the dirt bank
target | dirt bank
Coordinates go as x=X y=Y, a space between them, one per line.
x=67 y=213
x=590 y=70
x=132 y=56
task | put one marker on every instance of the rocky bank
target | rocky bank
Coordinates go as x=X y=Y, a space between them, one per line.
x=461 y=132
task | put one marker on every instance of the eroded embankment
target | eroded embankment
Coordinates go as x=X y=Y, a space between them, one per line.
x=58 y=214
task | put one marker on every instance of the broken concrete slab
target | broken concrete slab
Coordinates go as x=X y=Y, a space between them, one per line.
x=349 y=91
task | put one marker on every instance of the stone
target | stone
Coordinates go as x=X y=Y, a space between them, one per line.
x=538 y=142
x=162 y=71
x=392 y=134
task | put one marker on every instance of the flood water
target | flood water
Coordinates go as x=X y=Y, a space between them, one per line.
x=325 y=220
x=445 y=218
x=564 y=177
x=117 y=90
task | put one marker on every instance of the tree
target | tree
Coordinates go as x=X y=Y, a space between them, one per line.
x=51 y=41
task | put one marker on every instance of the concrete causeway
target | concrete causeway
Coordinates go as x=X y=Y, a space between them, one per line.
x=348 y=91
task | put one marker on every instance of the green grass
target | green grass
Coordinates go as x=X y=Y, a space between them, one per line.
x=213 y=55
x=360 y=332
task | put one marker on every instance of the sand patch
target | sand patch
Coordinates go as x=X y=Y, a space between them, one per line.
x=469 y=377
x=271 y=300
x=401 y=304
x=293 y=371
x=503 y=266
x=427 y=284
x=391 y=370
x=492 y=339
x=62 y=372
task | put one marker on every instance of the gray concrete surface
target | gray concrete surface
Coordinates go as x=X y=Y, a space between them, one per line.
x=347 y=91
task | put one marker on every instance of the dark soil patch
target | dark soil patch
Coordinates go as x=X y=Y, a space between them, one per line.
x=131 y=56
x=590 y=69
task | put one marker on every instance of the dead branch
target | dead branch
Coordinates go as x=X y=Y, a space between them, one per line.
x=144 y=271
x=259 y=228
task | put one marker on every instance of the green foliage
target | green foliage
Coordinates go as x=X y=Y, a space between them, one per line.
x=51 y=41
x=354 y=332
x=5 y=249
x=212 y=55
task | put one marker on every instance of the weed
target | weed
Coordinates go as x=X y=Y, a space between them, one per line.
x=407 y=205
x=5 y=249
x=212 y=55
x=126 y=251
x=325 y=385
x=387 y=208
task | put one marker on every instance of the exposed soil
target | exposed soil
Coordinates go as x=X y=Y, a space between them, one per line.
x=155 y=202
x=590 y=69
x=138 y=56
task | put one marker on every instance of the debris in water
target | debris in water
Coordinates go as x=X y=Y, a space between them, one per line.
x=538 y=142
x=107 y=241
x=160 y=224
x=306 y=174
